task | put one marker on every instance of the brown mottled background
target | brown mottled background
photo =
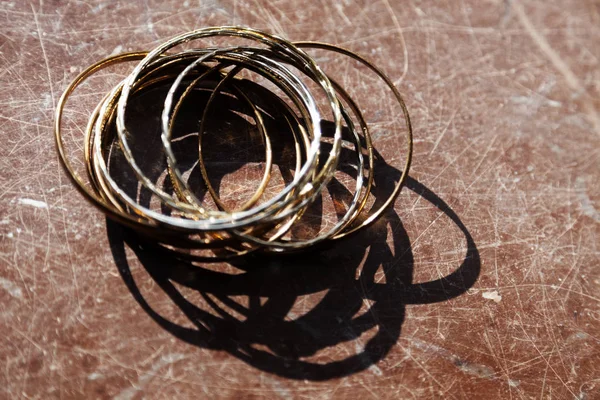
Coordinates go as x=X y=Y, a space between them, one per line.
x=505 y=102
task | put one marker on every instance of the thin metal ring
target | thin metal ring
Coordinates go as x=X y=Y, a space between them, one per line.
x=255 y=225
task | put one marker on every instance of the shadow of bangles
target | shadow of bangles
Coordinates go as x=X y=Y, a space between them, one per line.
x=261 y=332
x=351 y=316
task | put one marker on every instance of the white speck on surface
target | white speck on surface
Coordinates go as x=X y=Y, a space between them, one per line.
x=513 y=383
x=33 y=203
x=375 y=370
x=492 y=296
x=280 y=389
x=5 y=221
x=586 y=204
x=117 y=50
x=479 y=370
x=98 y=8
x=10 y=235
x=94 y=375
x=11 y=288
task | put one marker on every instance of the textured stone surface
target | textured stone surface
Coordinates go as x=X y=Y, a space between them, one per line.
x=505 y=102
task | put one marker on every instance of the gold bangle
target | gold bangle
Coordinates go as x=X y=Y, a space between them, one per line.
x=256 y=225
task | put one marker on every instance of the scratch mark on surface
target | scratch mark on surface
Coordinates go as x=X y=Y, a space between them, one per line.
x=439 y=139
x=143 y=380
x=402 y=41
x=543 y=357
x=340 y=10
x=480 y=370
x=39 y=32
x=558 y=62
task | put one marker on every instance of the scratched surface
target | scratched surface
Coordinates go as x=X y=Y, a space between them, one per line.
x=505 y=102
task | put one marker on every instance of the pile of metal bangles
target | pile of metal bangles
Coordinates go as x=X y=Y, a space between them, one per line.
x=260 y=224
